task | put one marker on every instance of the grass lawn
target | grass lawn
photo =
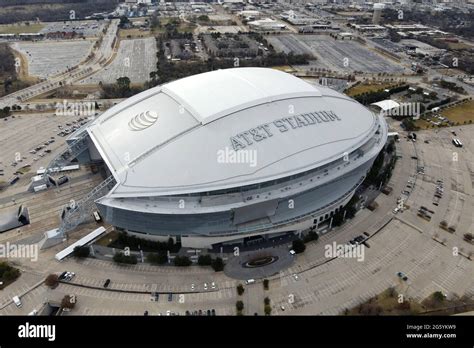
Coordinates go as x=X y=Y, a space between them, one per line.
x=284 y=68
x=107 y=239
x=387 y=305
x=367 y=87
x=460 y=113
x=423 y=124
x=24 y=170
x=183 y=27
x=124 y=33
x=19 y=29
x=5 y=267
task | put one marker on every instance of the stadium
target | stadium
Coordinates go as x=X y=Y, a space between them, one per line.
x=229 y=155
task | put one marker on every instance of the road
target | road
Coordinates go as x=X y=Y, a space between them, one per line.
x=101 y=57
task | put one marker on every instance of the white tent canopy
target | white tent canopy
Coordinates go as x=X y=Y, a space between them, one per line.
x=387 y=104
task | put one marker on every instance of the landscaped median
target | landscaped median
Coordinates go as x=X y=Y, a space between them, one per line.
x=391 y=302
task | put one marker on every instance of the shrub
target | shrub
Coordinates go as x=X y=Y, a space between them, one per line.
x=298 y=246
x=239 y=305
x=81 y=251
x=438 y=296
x=204 y=260
x=182 y=261
x=240 y=289
x=268 y=309
x=8 y=272
x=122 y=258
x=68 y=301
x=158 y=258
x=311 y=236
x=218 y=264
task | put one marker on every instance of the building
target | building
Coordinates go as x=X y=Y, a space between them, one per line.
x=378 y=9
x=232 y=154
x=266 y=24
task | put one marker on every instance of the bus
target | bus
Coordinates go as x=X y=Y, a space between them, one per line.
x=97 y=217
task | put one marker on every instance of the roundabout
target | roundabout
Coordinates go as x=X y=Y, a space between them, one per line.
x=258 y=264
x=260 y=261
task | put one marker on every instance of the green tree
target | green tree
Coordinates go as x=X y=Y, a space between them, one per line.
x=266 y=284
x=81 y=252
x=268 y=309
x=204 y=260
x=122 y=258
x=68 y=302
x=217 y=264
x=240 y=289
x=310 y=236
x=159 y=258
x=239 y=305
x=8 y=272
x=298 y=246
x=51 y=281
x=182 y=261
x=203 y=18
x=438 y=296
x=123 y=84
x=124 y=21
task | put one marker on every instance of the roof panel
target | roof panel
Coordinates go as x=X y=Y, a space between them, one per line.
x=170 y=151
x=216 y=94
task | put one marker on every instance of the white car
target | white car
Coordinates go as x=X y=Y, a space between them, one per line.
x=213 y=285
x=205 y=286
x=395 y=210
x=193 y=287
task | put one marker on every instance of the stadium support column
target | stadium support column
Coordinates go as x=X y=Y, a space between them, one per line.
x=330 y=222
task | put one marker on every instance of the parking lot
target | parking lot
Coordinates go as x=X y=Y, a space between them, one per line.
x=49 y=58
x=340 y=55
x=29 y=142
x=135 y=59
x=90 y=28
x=397 y=242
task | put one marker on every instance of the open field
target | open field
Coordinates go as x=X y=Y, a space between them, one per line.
x=423 y=124
x=460 y=113
x=339 y=55
x=135 y=59
x=183 y=27
x=133 y=33
x=367 y=87
x=48 y=58
x=19 y=29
